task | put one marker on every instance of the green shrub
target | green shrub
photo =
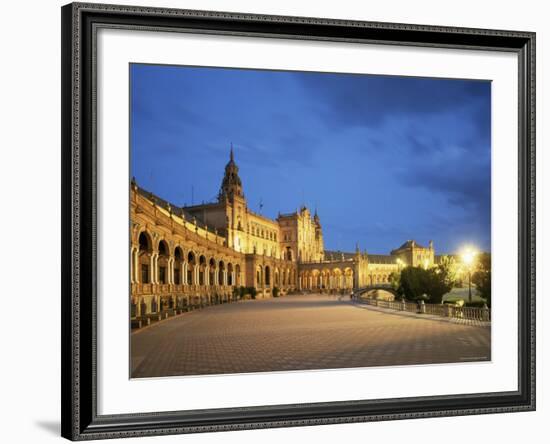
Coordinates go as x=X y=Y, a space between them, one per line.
x=242 y=292
x=252 y=292
x=275 y=292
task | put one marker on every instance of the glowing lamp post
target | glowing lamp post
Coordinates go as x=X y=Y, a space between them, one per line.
x=468 y=258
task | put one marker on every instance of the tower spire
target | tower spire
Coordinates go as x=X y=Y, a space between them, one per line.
x=231 y=183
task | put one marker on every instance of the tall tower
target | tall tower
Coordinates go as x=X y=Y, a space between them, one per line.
x=231 y=184
x=320 y=246
x=234 y=204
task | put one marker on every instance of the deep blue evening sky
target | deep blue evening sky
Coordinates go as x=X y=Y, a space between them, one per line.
x=384 y=159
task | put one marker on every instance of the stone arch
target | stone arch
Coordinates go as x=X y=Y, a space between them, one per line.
x=221 y=272
x=337 y=277
x=178 y=265
x=348 y=278
x=202 y=269
x=145 y=251
x=324 y=278
x=230 y=280
x=163 y=262
x=316 y=278
x=238 y=275
x=145 y=242
x=259 y=275
x=191 y=265
x=212 y=271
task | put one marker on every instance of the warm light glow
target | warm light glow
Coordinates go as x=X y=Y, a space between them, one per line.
x=468 y=256
x=426 y=263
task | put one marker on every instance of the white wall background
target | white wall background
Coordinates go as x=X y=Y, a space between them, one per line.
x=30 y=222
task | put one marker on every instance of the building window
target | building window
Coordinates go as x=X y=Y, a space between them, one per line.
x=288 y=254
x=144 y=273
x=177 y=276
x=162 y=275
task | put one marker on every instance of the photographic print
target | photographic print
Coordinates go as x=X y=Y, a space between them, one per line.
x=291 y=221
x=298 y=210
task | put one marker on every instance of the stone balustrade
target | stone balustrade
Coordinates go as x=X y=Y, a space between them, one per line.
x=443 y=310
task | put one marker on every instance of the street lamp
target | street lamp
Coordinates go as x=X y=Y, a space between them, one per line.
x=468 y=257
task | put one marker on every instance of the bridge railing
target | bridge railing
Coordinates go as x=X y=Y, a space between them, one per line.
x=478 y=314
x=437 y=309
x=443 y=310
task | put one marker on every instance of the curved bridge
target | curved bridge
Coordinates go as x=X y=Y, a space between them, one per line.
x=362 y=290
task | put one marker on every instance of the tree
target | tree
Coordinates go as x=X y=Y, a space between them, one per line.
x=449 y=269
x=434 y=283
x=395 y=282
x=413 y=282
x=438 y=284
x=481 y=278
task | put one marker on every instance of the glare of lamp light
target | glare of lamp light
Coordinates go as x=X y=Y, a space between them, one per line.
x=468 y=256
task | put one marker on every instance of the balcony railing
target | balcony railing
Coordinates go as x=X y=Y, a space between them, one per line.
x=168 y=289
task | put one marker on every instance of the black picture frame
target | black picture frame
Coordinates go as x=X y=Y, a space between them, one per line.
x=79 y=171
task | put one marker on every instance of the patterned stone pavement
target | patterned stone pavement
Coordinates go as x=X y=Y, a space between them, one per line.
x=299 y=332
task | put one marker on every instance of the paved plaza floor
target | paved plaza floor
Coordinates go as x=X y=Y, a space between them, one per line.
x=299 y=332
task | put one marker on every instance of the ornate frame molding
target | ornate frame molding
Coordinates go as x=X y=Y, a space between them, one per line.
x=80 y=22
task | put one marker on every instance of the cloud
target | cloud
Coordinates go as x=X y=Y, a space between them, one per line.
x=383 y=157
x=366 y=100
